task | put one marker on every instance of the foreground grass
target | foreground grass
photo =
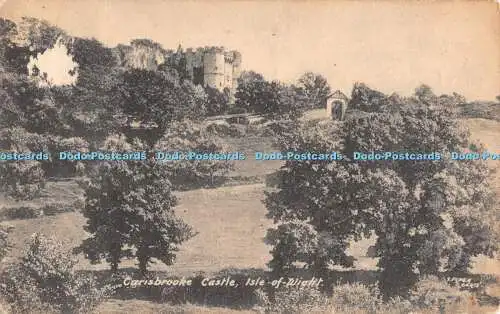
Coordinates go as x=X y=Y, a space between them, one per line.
x=137 y=306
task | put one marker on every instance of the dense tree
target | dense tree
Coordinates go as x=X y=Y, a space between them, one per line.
x=27 y=39
x=251 y=92
x=92 y=109
x=22 y=180
x=366 y=99
x=25 y=110
x=424 y=93
x=22 y=97
x=130 y=213
x=315 y=87
x=269 y=98
x=157 y=98
x=38 y=34
x=92 y=53
x=34 y=119
x=322 y=206
x=4 y=239
x=8 y=29
x=187 y=136
x=247 y=77
x=218 y=102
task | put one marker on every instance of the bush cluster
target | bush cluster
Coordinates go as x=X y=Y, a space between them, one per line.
x=45 y=281
x=231 y=130
x=21 y=212
x=429 y=295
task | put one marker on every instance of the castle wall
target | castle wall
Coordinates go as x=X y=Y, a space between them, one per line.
x=236 y=71
x=194 y=59
x=228 y=73
x=143 y=57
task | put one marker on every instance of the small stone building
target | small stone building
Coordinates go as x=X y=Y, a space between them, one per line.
x=336 y=105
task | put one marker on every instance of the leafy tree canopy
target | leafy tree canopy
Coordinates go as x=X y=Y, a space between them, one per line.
x=130 y=213
x=154 y=97
x=323 y=206
x=269 y=98
x=315 y=87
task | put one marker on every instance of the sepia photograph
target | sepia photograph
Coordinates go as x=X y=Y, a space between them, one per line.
x=249 y=156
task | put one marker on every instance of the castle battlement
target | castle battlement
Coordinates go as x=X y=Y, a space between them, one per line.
x=214 y=66
x=229 y=56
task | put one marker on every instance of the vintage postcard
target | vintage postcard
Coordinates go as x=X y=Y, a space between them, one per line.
x=249 y=156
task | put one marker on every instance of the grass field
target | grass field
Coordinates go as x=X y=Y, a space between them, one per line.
x=230 y=220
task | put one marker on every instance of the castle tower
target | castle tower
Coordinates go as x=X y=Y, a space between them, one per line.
x=213 y=67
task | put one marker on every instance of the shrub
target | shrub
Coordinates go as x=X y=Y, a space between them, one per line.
x=356 y=296
x=238 y=120
x=78 y=204
x=22 y=212
x=117 y=142
x=45 y=281
x=65 y=168
x=240 y=296
x=187 y=136
x=30 y=212
x=429 y=294
x=432 y=293
x=237 y=130
x=22 y=180
x=237 y=110
x=219 y=129
x=4 y=239
x=217 y=101
x=57 y=208
x=174 y=295
x=225 y=129
x=292 y=300
x=266 y=131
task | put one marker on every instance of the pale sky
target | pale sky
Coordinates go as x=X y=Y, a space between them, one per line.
x=389 y=45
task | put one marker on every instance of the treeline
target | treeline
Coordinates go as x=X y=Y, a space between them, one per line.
x=107 y=98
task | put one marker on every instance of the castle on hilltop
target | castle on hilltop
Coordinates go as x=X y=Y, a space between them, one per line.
x=214 y=67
